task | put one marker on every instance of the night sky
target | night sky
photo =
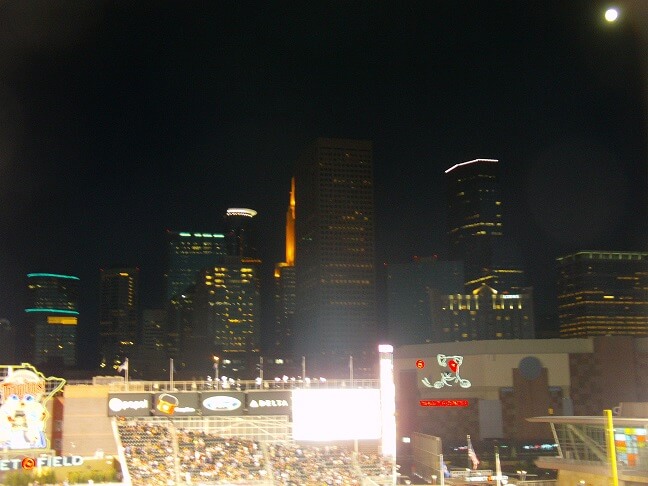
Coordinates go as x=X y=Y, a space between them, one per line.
x=119 y=120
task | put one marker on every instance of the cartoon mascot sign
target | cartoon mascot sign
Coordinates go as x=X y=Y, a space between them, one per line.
x=23 y=415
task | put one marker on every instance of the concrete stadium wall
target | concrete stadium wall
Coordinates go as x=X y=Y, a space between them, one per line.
x=87 y=427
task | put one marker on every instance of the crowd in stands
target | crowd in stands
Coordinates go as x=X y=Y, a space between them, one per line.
x=375 y=465
x=149 y=452
x=295 y=465
x=205 y=457
x=154 y=450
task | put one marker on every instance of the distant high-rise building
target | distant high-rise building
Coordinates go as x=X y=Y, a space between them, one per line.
x=154 y=342
x=284 y=287
x=227 y=314
x=53 y=312
x=484 y=314
x=603 y=293
x=334 y=258
x=475 y=228
x=240 y=237
x=408 y=300
x=180 y=320
x=8 y=344
x=188 y=254
x=118 y=315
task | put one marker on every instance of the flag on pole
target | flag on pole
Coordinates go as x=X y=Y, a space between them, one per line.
x=471 y=453
x=123 y=366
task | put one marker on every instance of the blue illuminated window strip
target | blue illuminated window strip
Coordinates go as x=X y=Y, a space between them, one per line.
x=54 y=275
x=59 y=311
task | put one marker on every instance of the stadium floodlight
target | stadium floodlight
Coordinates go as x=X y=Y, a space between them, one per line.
x=325 y=414
x=388 y=404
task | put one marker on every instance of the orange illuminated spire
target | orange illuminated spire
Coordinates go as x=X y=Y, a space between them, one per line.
x=290 y=226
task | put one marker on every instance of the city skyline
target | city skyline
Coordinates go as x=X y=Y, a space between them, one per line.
x=120 y=126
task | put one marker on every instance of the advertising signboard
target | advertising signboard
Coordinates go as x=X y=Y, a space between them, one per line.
x=176 y=404
x=269 y=402
x=222 y=403
x=129 y=404
x=24 y=393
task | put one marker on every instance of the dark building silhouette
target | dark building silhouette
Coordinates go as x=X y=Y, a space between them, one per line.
x=334 y=258
x=118 y=316
x=475 y=227
x=153 y=343
x=408 y=296
x=53 y=314
x=602 y=293
x=8 y=343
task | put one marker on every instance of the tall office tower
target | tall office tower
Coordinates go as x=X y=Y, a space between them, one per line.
x=118 y=315
x=603 y=293
x=240 y=237
x=227 y=315
x=475 y=227
x=153 y=347
x=188 y=254
x=53 y=312
x=284 y=286
x=8 y=344
x=484 y=314
x=408 y=300
x=180 y=319
x=334 y=257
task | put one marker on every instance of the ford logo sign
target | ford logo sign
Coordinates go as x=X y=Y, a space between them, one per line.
x=221 y=403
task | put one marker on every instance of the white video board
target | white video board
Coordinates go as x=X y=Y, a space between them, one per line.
x=336 y=414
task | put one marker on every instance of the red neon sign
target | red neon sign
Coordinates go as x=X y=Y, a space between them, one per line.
x=443 y=403
x=420 y=364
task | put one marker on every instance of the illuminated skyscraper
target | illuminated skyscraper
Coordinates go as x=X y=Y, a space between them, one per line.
x=334 y=258
x=284 y=287
x=227 y=314
x=475 y=228
x=240 y=237
x=53 y=315
x=118 y=315
x=603 y=293
x=188 y=254
x=484 y=314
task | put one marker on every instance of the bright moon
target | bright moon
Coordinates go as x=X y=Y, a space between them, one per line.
x=611 y=14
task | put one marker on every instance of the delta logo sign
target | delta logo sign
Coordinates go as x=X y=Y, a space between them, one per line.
x=24 y=393
x=449 y=376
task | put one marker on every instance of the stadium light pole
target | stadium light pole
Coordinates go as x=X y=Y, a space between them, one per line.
x=388 y=404
x=216 y=377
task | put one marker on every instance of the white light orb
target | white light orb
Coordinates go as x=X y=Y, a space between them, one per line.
x=611 y=14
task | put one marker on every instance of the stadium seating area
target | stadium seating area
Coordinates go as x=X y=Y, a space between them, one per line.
x=150 y=456
x=158 y=452
x=295 y=465
x=216 y=459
